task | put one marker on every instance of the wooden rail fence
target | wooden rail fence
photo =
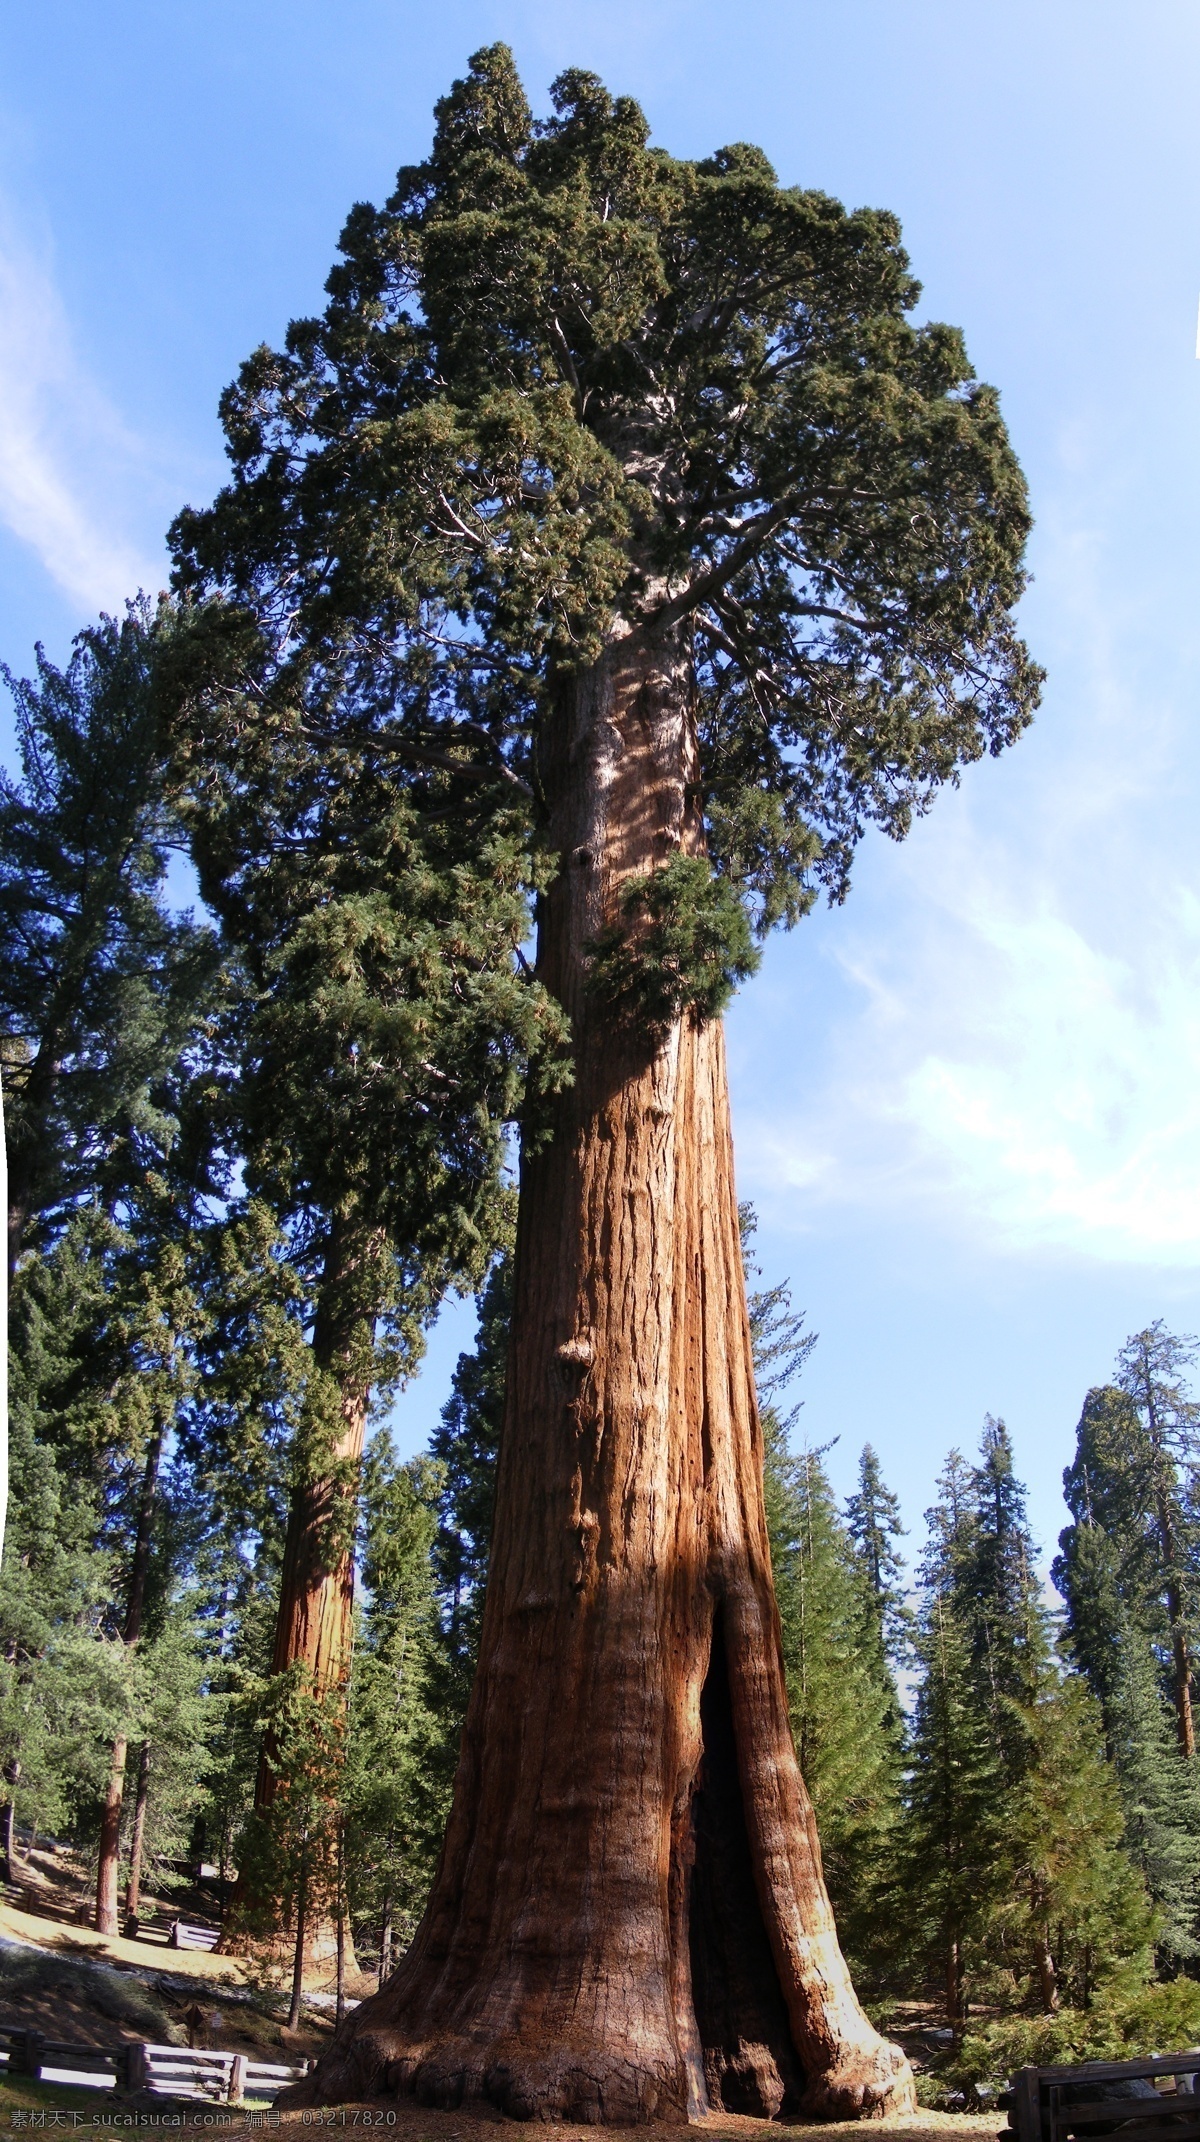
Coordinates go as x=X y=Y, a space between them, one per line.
x=163 y=2070
x=1155 y=2100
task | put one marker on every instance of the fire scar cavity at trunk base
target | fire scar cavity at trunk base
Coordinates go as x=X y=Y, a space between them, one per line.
x=629 y=1920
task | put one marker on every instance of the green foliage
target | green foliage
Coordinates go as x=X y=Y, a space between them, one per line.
x=1014 y=1844
x=1127 y=1569
x=953 y=1875
x=396 y=1792
x=1160 y=1793
x=1125 y=2027
x=683 y=946
x=181 y=1717
x=841 y=1698
x=568 y=386
x=102 y=990
x=466 y=1446
x=289 y=1857
x=873 y=1524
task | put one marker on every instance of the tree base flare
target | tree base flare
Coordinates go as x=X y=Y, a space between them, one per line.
x=872 y=2086
x=588 y=2083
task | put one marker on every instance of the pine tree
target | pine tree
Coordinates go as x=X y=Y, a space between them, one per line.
x=954 y=1868
x=101 y=988
x=466 y=1444
x=397 y=1788
x=1161 y=1800
x=1111 y=1573
x=380 y=1049
x=873 y=1524
x=1151 y=1369
x=841 y=1697
x=1022 y=1854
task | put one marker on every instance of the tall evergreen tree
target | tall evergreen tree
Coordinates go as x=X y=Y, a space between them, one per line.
x=873 y=1523
x=397 y=1788
x=466 y=1443
x=1017 y=1821
x=841 y=1697
x=1128 y=1613
x=101 y=987
x=380 y=1049
x=627 y=478
x=1152 y=1370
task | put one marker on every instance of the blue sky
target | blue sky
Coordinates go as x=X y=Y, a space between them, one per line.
x=967 y=1105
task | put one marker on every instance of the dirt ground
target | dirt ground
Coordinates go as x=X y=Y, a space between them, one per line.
x=20 y=2106
x=151 y=1991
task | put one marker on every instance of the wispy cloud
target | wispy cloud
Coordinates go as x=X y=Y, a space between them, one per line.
x=1013 y=1051
x=66 y=457
x=1010 y=1075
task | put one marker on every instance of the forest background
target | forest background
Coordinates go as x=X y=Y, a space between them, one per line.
x=979 y=1167
x=964 y=1104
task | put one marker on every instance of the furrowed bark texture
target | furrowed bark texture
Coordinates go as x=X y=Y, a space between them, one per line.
x=107 y=1920
x=629 y=1919
x=315 y=1620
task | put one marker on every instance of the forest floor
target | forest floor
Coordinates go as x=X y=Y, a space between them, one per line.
x=26 y=2104
x=58 y=1976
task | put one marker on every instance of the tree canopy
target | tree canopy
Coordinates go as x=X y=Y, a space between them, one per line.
x=567 y=384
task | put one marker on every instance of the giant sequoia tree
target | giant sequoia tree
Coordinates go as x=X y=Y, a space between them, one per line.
x=627 y=486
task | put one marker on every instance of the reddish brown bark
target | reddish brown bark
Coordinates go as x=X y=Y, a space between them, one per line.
x=315 y=1619
x=629 y=1919
x=133 y=1890
x=108 y=1869
x=8 y=1827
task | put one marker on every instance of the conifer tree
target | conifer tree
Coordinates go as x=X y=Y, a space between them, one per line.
x=101 y=988
x=1016 y=1815
x=842 y=1699
x=466 y=1444
x=873 y=1524
x=1118 y=1592
x=955 y=1871
x=628 y=479
x=1152 y=1369
x=380 y=1048
x=397 y=1788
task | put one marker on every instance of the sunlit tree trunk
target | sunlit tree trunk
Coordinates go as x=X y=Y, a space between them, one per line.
x=8 y=1847
x=108 y=1869
x=137 y=1839
x=629 y=1919
x=315 y=1620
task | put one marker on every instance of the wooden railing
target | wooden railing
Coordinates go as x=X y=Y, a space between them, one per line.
x=1156 y=2100
x=163 y=2070
x=176 y=1933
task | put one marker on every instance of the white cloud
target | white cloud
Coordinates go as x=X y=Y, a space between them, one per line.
x=1066 y=1107
x=1002 y=1070
x=66 y=458
x=1007 y=1041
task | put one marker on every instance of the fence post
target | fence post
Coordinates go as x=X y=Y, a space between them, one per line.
x=137 y=2067
x=1026 y=2105
x=237 y=2079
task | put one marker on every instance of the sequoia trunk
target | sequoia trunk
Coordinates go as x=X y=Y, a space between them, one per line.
x=315 y=1619
x=133 y=1889
x=109 y=1859
x=629 y=1919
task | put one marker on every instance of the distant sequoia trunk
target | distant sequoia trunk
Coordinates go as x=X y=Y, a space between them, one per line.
x=629 y=1920
x=107 y=1919
x=315 y=1620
